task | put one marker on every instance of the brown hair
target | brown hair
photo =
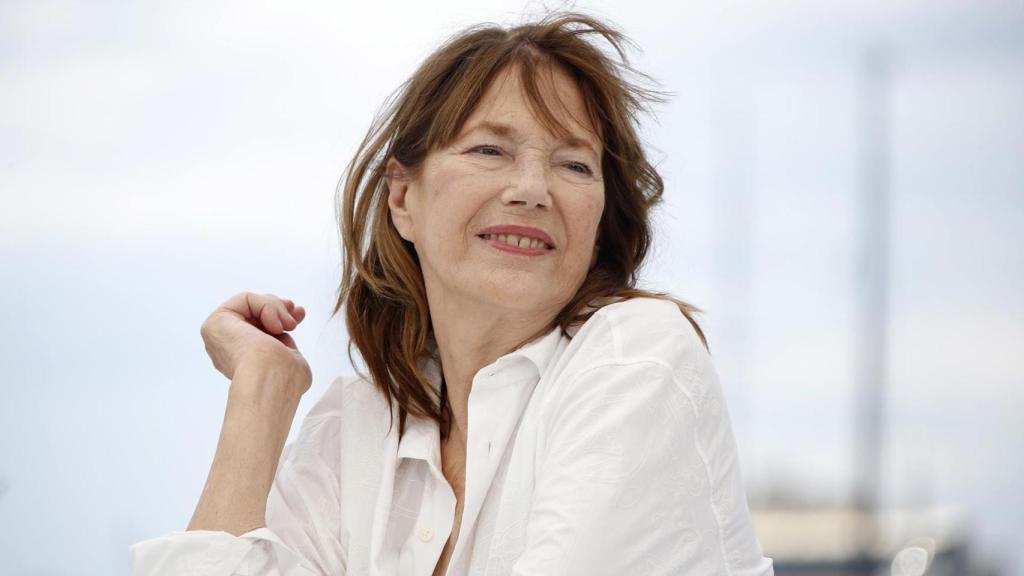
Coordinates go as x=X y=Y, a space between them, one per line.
x=382 y=287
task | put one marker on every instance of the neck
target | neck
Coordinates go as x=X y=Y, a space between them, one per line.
x=470 y=336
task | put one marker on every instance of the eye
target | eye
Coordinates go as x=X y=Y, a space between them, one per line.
x=487 y=150
x=579 y=167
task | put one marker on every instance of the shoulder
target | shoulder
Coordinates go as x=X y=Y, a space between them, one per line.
x=642 y=347
x=349 y=405
x=640 y=330
x=643 y=314
x=342 y=395
x=637 y=356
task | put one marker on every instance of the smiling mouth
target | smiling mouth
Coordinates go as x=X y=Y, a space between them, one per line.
x=524 y=242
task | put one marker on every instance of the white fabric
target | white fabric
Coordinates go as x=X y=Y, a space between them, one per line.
x=607 y=453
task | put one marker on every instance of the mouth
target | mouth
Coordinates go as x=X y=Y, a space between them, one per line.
x=516 y=241
x=519 y=239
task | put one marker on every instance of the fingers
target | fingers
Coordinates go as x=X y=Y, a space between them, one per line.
x=288 y=319
x=228 y=333
x=297 y=312
x=270 y=318
x=272 y=314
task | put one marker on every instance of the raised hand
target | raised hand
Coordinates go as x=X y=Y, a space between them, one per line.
x=253 y=329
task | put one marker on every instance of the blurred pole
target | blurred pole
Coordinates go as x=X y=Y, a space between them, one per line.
x=872 y=286
x=734 y=212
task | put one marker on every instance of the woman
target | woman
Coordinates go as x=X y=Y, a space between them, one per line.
x=526 y=410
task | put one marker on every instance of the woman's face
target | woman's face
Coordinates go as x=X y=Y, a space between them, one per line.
x=507 y=215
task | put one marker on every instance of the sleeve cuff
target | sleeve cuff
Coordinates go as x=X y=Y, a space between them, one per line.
x=214 y=553
x=195 y=552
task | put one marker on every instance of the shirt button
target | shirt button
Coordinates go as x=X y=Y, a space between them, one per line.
x=426 y=534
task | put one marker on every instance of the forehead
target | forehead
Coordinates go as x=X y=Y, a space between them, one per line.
x=510 y=105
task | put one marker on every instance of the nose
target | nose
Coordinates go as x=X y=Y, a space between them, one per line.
x=529 y=185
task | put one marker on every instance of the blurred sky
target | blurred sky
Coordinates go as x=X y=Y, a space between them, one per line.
x=156 y=158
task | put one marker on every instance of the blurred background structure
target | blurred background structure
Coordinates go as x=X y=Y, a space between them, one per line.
x=845 y=200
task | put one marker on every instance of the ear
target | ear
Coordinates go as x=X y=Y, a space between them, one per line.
x=397 y=178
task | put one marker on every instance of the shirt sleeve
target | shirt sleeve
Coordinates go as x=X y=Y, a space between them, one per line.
x=301 y=536
x=641 y=477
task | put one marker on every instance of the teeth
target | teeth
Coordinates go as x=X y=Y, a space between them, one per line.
x=519 y=241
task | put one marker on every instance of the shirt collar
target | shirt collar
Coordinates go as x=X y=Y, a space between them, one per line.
x=420 y=440
x=421 y=437
x=538 y=352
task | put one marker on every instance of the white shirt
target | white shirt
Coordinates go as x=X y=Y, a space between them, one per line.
x=607 y=453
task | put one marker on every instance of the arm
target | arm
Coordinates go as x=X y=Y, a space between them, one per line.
x=247 y=341
x=261 y=407
x=640 y=477
x=301 y=533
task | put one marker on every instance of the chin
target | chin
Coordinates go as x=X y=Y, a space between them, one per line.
x=526 y=297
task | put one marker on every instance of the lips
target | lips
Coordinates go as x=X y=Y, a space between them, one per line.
x=525 y=237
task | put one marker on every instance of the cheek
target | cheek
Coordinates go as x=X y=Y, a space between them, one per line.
x=445 y=206
x=583 y=228
x=586 y=225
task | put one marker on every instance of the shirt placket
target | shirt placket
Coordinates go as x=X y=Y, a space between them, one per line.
x=435 y=521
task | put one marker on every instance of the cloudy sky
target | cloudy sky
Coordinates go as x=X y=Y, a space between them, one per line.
x=156 y=158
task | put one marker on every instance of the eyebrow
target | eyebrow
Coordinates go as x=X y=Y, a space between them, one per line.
x=507 y=131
